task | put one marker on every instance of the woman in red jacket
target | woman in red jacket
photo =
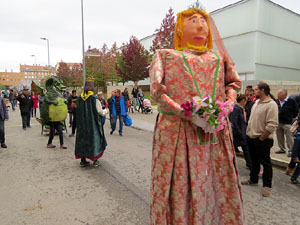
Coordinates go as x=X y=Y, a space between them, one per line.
x=35 y=100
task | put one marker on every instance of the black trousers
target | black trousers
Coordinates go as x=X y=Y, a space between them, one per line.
x=260 y=154
x=55 y=126
x=246 y=153
x=71 y=118
x=26 y=119
x=292 y=164
x=33 y=111
x=74 y=124
x=2 y=132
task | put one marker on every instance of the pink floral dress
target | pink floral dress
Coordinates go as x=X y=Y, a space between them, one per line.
x=194 y=175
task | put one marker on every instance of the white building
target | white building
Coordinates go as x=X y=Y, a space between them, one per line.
x=262 y=38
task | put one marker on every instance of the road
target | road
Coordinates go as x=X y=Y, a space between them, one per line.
x=47 y=186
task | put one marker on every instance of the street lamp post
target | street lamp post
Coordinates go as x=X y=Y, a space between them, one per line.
x=83 y=55
x=34 y=58
x=35 y=73
x=48 y=50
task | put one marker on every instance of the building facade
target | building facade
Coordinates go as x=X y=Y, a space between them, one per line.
x=36 y=73
x=262 y=38
x=12 y=79
x=70 y=65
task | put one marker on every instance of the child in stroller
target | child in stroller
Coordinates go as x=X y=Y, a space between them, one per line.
x=144 y=104
x=147 y=106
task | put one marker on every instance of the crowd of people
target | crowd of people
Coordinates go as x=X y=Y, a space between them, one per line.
x=116 y=106
x=257 y=115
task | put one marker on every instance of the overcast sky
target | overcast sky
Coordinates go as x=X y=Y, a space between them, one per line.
x=24 y=22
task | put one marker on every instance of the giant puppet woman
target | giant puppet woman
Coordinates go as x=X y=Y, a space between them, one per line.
x=194 y=173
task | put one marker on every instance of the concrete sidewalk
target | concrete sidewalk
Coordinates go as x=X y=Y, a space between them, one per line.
x=147 y=122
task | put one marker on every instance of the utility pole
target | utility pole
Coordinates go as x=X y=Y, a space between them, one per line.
x=46 y=39
x=83 y=54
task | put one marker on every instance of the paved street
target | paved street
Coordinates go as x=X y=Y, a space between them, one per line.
x=46 y=186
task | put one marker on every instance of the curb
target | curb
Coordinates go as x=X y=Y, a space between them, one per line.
x=275 y=162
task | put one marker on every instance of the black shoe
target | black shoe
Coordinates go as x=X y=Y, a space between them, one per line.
x=280 y=151
x=3 y=145
x=51 y=146
x=24 y=128
x=295 y=182
x=28 y=126
x=289 y=154
x=84 y=163
x=111 y=132
x=96 y=163
x=121 y=134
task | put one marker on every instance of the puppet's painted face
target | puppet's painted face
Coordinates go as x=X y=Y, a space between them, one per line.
x=195 y=30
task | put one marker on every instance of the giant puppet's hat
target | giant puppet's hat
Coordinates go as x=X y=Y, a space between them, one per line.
x=197 y=5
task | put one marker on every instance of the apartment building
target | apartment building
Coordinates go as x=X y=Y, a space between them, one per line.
x=36 y=73
x=12 y=79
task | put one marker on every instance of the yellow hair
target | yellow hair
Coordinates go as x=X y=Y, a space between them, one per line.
x=178 y=33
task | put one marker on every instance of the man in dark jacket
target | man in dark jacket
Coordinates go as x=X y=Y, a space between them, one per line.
x=288 y=110
x=109 y=102
x=70 y=99
x=295 y=156
x=296 y=97
x=249 y=92
x=26 y=104
x=12 y=98
x=72 y=111
x=3 y=118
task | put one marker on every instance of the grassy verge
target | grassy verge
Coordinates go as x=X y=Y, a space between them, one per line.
x=147 y=95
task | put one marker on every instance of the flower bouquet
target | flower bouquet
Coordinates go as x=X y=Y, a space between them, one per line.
x=208 y=114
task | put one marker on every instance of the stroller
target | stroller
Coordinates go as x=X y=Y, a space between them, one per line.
x=146 y=106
